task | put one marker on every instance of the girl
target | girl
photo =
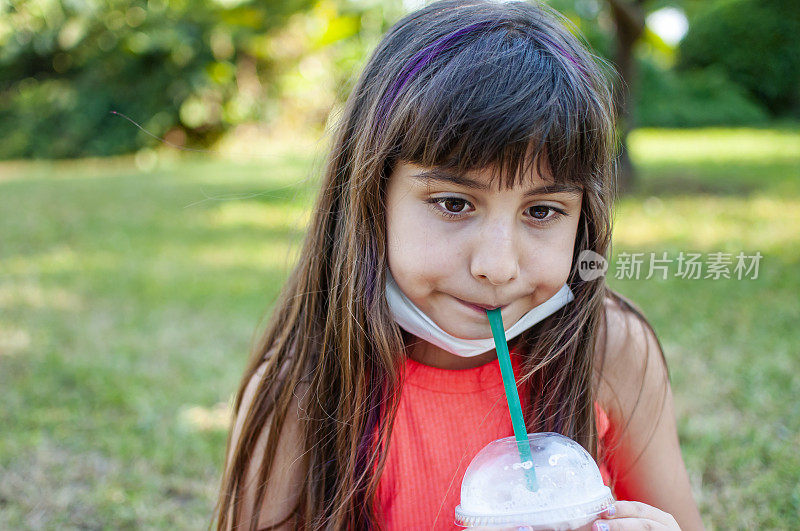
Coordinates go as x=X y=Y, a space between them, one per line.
x=472 y=166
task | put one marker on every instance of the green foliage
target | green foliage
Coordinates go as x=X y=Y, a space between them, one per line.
x=693 y=99
x=171 y=65
x=193 y=70
x=587 y=17
x=756 y=43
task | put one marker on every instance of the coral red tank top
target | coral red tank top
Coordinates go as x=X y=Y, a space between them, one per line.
x=444 y=418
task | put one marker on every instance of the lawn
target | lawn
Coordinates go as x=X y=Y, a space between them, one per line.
x=131 y=289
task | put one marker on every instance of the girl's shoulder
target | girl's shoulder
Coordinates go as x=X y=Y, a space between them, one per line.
x=631 y=373
x=289 y=466
x=642 y=446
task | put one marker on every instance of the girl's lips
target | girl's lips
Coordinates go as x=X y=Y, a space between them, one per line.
x=478 y=307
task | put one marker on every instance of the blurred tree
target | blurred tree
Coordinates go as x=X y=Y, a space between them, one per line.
x=616 y=29
x=613 y=28
x=629 y=26
x=756 y=43
x=185 y=68
x=696 y=98
x=192 y=70
x=331 y=41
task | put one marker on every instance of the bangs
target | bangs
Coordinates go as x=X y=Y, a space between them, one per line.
x=506 y=100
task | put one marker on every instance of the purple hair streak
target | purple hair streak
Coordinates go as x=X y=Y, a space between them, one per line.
x=418 y=62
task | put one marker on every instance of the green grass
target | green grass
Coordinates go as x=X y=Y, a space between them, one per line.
x=130 y=290
x=732 y=345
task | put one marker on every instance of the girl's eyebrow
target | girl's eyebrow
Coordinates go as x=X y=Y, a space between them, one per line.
x=440 y=175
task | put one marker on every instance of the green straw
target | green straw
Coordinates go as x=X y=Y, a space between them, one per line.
x=510 y=384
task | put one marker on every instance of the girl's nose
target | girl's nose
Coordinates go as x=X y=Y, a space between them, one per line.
x=495 y=257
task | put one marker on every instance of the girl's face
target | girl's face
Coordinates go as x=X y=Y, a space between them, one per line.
x=457 y=245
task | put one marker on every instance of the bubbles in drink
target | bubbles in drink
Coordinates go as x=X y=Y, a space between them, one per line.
x=494 y=491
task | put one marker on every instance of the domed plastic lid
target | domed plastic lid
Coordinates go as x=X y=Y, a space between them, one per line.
x=494 y=491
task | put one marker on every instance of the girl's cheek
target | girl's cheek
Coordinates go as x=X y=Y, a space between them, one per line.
x=424 y=244
x=427 y=257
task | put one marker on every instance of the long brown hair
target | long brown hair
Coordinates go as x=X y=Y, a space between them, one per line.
x=463 y=85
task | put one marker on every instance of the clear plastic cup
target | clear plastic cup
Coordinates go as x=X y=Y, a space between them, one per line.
x=495 y=493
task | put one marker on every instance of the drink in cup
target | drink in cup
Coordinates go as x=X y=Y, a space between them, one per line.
x=496 y=490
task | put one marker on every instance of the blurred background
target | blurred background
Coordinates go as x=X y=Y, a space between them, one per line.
x=158 y=160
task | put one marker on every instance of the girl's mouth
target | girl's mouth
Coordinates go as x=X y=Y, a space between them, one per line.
x=478 y=307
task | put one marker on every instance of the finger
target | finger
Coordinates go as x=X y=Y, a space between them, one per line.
x=632 y=509
x=628 y=524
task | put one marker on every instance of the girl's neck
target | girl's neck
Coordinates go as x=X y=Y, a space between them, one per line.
x=428 y=354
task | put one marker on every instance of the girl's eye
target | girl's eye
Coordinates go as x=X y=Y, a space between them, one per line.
x=450 y=207
x=541 y=213
x=454 y=204
x=455 y=207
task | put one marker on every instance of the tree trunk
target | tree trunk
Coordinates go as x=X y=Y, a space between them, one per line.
x=629 y=23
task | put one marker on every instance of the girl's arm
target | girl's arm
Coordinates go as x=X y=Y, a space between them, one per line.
x=644 y=452
x=287 y=475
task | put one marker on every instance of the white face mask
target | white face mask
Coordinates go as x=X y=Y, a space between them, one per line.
x=413 y=320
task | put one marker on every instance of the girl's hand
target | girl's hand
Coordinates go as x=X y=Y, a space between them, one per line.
x=629 y=515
